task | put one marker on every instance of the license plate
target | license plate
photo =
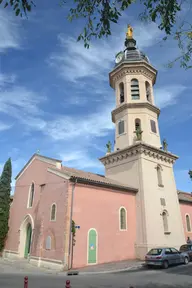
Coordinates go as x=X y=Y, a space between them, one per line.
x=150 y=263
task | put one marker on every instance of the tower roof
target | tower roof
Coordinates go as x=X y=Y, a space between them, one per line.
x=131 y=53
x=135 y=55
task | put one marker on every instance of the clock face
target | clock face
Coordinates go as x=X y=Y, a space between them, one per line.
x=119 y=57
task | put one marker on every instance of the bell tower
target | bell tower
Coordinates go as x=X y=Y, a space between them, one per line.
x=138 y=159
x=135 y=115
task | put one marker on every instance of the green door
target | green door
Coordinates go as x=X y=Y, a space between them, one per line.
x=92 y=249
x=28 y=240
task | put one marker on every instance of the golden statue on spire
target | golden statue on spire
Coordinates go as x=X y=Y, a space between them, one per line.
x=129 y=33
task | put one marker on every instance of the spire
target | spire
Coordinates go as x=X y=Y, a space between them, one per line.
x=129 y=41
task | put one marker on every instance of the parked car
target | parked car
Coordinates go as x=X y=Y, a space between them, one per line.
x=187 y=248
x=164 y=257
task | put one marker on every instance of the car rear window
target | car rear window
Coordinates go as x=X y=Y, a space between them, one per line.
x=184 y=248
x=154 y=252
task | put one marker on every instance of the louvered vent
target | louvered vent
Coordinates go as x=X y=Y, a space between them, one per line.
x=162 y=201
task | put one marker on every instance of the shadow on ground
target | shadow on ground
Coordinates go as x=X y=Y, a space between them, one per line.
x=178 y=269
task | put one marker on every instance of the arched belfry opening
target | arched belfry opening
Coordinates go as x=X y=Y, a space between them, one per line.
x=135 y=89
x=121 y=92
x=148 y=91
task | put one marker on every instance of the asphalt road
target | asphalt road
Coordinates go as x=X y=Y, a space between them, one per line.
x=180 y=276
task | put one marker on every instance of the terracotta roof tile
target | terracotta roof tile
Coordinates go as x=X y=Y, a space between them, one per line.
x=184 y=196
x=97 y=178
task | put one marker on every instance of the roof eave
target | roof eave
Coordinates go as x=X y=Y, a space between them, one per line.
x=32 y=157
x=102 y=184
x=185 y=200
x=121 y=65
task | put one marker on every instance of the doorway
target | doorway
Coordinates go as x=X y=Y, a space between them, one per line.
x=92 y=246
x=28 y=240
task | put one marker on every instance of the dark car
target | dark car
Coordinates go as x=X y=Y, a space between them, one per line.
x=187 y=248
x=164 y=257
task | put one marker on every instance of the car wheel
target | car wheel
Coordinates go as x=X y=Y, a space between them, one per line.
x=165 y=264
x=186 y=260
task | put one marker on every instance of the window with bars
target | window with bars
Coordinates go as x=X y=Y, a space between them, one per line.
x=123 y=220
x=121 y=127
x=153 y=126
x=135 y=89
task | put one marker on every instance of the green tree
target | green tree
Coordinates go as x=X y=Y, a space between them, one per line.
x=190 y=174
x=5 y=189
x=100 y=14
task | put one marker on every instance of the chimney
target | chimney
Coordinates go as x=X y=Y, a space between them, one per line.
x=58 y=165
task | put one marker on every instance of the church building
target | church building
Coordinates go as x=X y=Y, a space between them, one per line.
x=66 y=218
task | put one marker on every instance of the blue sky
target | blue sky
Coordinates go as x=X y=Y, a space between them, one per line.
x=55 y=94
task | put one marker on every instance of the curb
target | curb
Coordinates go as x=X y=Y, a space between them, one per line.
x=71 y=273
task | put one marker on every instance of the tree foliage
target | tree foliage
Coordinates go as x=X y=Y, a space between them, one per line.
x=100 y=14
x=5 y=189
x=73 y=230
x=190 y=174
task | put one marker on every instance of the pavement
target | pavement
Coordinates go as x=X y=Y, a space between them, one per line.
x=112 y=267
x=177 y=277
x=15 y=266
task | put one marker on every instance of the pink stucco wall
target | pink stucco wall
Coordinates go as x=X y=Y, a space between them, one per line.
x=54 y=191
x=186 y=208
x=99 y=208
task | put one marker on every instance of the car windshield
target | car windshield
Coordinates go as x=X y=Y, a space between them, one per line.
x=154 y=252
x=184 y=248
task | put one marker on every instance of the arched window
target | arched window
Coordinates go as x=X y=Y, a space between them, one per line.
x=159 y=175
x=121 y=127
x=135 y=89
x=31 y=195
x=53 y=212
x=148 y=91
x=123 y=218
x=188 y=223
x=137 y=124
x=165 y=221
x=48 y=243
x=121 y=91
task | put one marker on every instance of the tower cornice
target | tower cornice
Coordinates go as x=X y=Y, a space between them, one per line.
x=127 y=68
x=136 y=149
x=134 y=105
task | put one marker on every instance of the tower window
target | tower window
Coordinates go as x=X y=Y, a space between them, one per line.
x=153 y=126
x=148 y=91
x=121 y=90
x=165 y=221
x=121 y=128
x=137 y=124
x=135 y=89
x=159 y=176
x=31 y=195
x=162 y=200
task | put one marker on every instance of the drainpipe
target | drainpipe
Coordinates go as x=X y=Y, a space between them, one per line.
x=72 y=200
